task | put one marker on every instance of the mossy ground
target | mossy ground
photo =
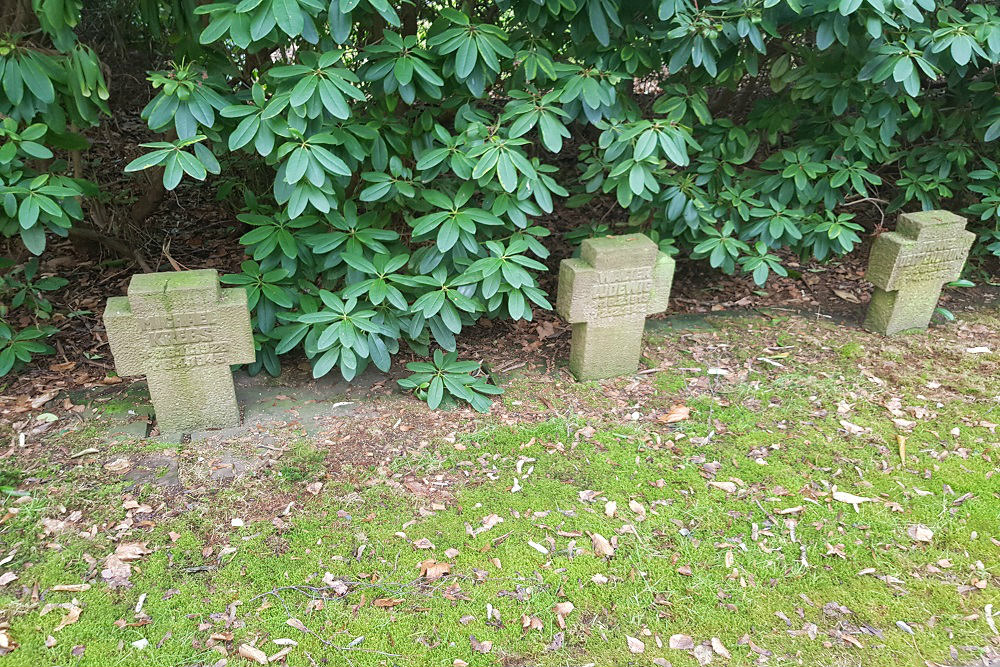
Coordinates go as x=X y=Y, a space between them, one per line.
x=733 y=532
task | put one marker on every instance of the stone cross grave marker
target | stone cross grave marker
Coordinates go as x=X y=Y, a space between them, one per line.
x=910 y=265
x=182 y=332
x=606 y=295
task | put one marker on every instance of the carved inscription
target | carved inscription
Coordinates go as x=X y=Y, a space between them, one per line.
x=621 y=294
x=183 y=340
x=929 y=264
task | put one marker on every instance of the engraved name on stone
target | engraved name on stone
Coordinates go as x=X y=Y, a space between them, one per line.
x=620 y=293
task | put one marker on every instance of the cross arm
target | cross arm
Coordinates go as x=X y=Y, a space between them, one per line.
x=233 y=321
x=884 y=258
x=577 y=280
x=124 y=334
x=663 y=280
x=964 y=242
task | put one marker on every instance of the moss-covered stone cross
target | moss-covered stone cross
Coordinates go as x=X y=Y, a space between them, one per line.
x=909 y=266
x=182 y=332
x=606 y=295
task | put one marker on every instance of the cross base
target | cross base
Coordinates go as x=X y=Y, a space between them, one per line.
x=905 y=309
x=195 y=398
x=598 y=352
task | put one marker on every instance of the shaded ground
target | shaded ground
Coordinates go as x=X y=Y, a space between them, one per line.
x=701 y=498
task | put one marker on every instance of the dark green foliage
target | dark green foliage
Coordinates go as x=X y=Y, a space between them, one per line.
x=44 y=94
x=414 y=147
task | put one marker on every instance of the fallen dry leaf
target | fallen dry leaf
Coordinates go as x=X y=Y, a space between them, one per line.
x=853 y=429
x=720 y=648
x=280 y=655
x=41 y=400
x=480 y=647
x=850 y=498
x=635 y=645
x=681 y=642
x=920 y=533
x=728 y=487
x=703 y=654
x=72 y=613
x=602 y=548
x=847 y=296
x=131 y=551
x=638 y=509
x=297 y=624
x=538 y=547
x=432 y=570
x=529 y=623
x=70 y=588
x=387 y=602
x=116 y=573
x=562 y=610
x=677 y=413
x=253 y=653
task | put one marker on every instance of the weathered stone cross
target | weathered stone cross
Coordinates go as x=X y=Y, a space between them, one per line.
x=182 y=332
x=909 y=266
x=606 y=295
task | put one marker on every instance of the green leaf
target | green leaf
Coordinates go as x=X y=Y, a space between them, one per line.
x=435 y=393
x=297 y=165
x=506 y=172
x=465 y=58
x=333 y=100
x=903 y=69
x=848 y=7
x=386 y=11
x=36 y=150
x=191 y=166
x=288 y=16
x=172 y=171
x=326 y=362
x=27 y=212
x=598 y=23
x=637 y=179
x=244 y=132
x=961 y=49
x=33 y=239
x=148 y=160
x=645 y=145
x=37 y=80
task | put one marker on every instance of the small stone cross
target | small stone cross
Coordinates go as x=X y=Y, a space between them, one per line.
x=182 y=332
x=909 y=266
x=606 y=295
